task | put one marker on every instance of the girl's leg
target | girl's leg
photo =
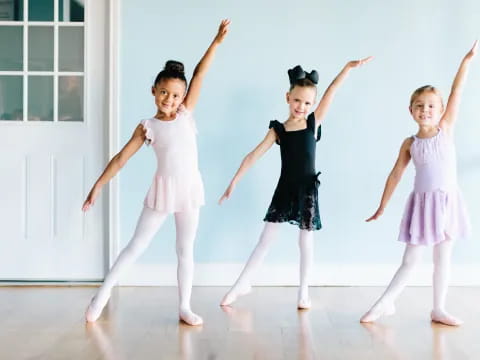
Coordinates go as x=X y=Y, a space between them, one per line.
x=305 y=243
x=385 y=305
x=186 y=225
x=442 y=254
x=148 y=224
x=242 y=285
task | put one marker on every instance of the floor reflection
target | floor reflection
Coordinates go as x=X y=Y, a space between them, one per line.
x=187 y=338
x=387 y=336
x=306 y=350
x=240 y=319
x=101 y=335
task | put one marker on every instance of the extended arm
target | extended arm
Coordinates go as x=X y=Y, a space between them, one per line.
x=114 y=166
x=202 y=67
x=248 y=161
x=329 y=94
x=394 y=177
x=450 y=115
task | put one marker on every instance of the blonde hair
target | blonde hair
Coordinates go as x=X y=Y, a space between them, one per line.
x=424 y=89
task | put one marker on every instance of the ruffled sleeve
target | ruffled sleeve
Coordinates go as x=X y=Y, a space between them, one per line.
x=278 y=128
x=311 y=126
x=187 y=115
x=148 y=133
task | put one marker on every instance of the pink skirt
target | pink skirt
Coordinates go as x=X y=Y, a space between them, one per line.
x=432 y=217
x=175 y=194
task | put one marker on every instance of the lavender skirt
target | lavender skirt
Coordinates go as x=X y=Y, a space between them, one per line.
x=432 y=217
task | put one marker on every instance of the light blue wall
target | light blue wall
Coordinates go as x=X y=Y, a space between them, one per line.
x=414 y=42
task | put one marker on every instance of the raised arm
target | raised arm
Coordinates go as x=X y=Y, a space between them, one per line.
x=248 y=161
x=450 y=115
x=394 y=177
x=201 y=69
x=114 y=166
x=329 y=94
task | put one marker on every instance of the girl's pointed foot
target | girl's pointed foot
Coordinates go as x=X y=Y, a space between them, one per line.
x=377 y=311
x=234 y=293
x=95 y=308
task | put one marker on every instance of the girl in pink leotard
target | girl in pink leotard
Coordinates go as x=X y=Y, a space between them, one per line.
x=177 y=186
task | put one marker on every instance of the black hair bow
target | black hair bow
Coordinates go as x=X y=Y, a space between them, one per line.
x=297 y=73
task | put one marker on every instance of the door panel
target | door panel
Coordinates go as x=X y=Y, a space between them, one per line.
x=53 y=144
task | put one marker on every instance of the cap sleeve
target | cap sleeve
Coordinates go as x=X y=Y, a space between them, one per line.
x=311 y=126
x=278 y=128
x=187 y=114
x=148 y=133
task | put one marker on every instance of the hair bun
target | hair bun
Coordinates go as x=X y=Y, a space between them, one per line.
x=174 y=66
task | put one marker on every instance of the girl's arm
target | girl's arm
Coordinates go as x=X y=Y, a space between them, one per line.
x=394 y=177
x=114 y=166
x=453 y=103
x=193 y=92
x=248 y=161
x=328 y=95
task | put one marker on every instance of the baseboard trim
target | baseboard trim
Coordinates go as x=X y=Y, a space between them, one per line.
x=287 y=275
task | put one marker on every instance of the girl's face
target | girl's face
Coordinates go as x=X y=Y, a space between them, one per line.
x=300 y=99
x=169 y=94
x=426 y=109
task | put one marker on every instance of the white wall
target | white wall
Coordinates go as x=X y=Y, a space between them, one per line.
x=414 y=43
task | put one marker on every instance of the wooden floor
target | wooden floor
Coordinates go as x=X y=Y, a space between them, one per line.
x=141 y=323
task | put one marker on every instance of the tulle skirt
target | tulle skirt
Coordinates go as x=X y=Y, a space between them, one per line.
x=432 y=217
x=175 y=193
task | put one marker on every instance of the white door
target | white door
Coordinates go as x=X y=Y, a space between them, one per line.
x=53 y=138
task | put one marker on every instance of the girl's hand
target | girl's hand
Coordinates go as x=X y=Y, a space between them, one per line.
x=91 y=197
x=357 y=63
x=375 y=216
x=472 y=51
x=226 y=194
x=222 y=31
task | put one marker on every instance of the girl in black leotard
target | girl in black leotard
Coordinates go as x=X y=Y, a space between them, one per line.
x=296 y=197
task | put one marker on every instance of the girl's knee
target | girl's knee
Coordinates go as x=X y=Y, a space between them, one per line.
x=136 y=246
x=268 y=235
x=184 y=257
x=184 y=251
x=410 y=262
x=441 y=260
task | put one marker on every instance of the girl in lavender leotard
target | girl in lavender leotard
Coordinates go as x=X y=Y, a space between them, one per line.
x=435 y=213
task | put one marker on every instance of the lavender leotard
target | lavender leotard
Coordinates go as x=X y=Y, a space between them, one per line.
x=435 y=210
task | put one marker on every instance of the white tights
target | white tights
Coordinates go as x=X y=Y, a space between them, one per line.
x=243 y=284
x=441 y=275
x=148 y=224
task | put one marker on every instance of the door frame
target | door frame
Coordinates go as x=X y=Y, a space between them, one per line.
x=114 y=34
